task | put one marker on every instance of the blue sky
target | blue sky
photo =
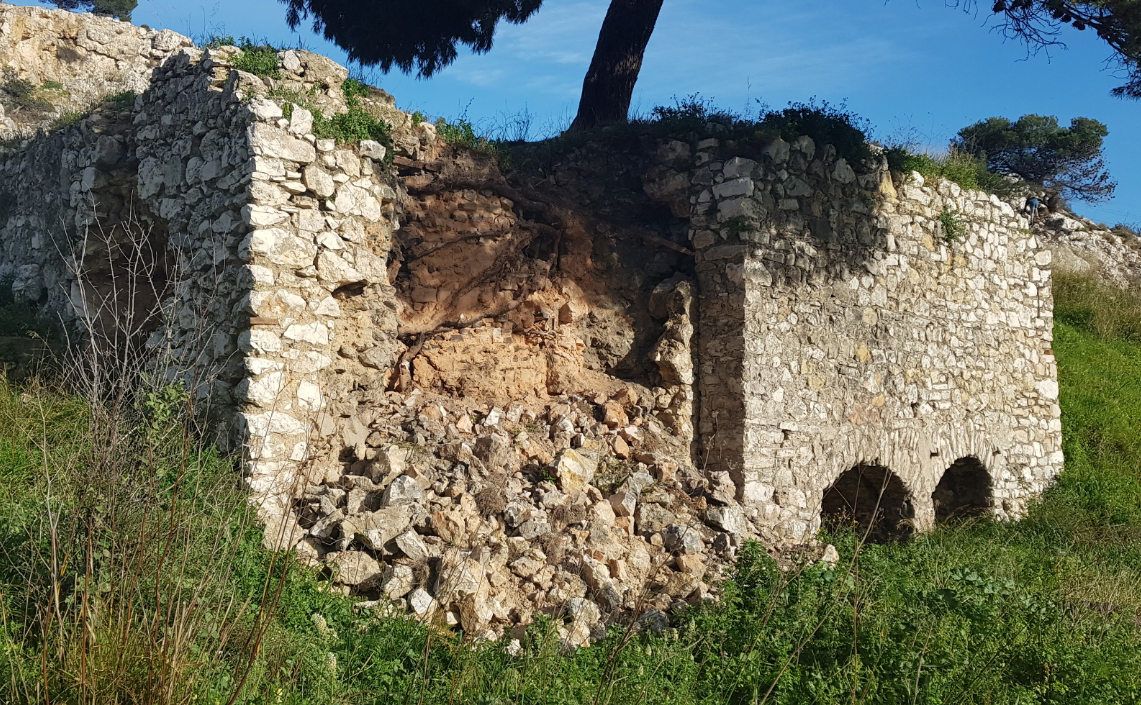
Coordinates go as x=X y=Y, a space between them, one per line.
x=915 y=69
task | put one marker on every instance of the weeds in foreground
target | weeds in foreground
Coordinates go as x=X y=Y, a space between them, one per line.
x=131 y=571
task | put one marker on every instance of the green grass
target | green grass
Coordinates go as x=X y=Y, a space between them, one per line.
x=349 y=127
x=462 y=132
x=966 y=170
x=1043 y=611
x=123 y=100
x=258 y=58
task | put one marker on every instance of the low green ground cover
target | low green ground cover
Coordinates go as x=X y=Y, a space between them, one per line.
x=131 y=572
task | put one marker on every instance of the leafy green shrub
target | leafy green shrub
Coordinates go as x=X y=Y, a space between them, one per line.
x=258 y=59
x=352 y=126
x=953 y=226
x=825 y=124
x=52 y=86
x=353 y=89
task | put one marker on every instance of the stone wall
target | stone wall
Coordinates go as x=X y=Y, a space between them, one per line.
x=248 y=254
x=846 y=325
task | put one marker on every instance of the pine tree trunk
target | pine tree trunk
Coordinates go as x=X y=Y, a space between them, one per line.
x=609 y=83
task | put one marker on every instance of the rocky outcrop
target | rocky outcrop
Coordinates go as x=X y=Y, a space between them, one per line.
x=71 y=62
x=1081 y=246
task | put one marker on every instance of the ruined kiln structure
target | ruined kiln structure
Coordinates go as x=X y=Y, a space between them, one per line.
x=428 y=369
x=849 y=346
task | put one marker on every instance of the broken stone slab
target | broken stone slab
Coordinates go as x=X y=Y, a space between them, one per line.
x=722 y=488
x=526 y=566
x=534 y=529
x=624 y=502
x=375 y=529
x=390 y=462
x=575 y=470
x=354 y=568
x=397 y=581
x=496 y=451
x=637 y=482
x=678 y=538
x=460 y=577
x=403 y=489
x=422 y=604
x=373 y=150
x=653 y=517
x=412 y=545
x=729 y=518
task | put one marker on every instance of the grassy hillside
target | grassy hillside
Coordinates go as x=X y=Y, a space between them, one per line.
x=131 y=572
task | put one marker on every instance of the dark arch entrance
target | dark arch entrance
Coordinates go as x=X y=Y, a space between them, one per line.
x=871 y=499
x=964 y=492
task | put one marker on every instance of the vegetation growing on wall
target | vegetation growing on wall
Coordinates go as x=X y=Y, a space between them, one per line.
x=257 y=57
x=350 y=127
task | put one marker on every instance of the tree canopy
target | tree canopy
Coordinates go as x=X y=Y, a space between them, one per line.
x=1064 y=160
x=119 y=9
x=424 y=36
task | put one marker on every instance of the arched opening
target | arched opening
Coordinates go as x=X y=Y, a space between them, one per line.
x=964 y=491
x=872 y=500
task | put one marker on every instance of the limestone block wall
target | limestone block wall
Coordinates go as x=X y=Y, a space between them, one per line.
x=321 y=311
x=127 y=223
x=841 y=328
x=247 y=257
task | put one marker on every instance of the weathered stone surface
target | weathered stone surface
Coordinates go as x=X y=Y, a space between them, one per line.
x=575 y=471
x=402 y=489
x=276 y=143
x=354 y=568
x=397 y=582
x=682 y=539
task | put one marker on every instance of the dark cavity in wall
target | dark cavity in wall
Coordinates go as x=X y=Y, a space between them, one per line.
x=871 y=500
x=964 y=492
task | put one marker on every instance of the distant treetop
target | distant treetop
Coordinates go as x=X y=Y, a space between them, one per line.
x=1064 y=160
x=119 y=9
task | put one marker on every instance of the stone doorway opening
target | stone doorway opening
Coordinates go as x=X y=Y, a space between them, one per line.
x=871 y=500
x=964 y=492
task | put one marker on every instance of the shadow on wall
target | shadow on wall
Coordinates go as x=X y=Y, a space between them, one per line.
x=873 y=501
x=964 y=492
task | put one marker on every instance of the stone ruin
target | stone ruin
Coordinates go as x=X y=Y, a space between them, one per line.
x=480 y=397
